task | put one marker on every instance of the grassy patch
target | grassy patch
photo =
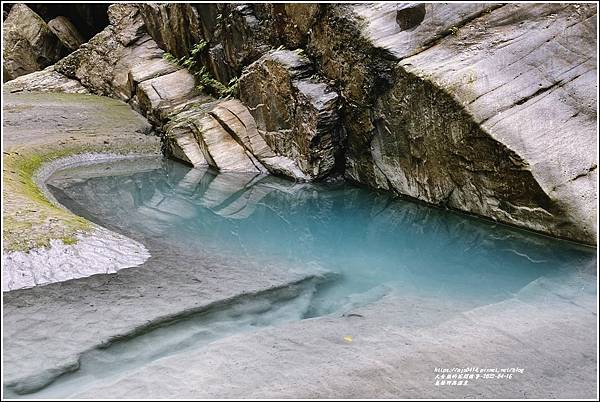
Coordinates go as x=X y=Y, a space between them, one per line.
x=30 y=219
x=88 y=124
x=69 y=240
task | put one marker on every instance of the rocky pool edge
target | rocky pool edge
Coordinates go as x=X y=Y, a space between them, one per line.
x=97 y=251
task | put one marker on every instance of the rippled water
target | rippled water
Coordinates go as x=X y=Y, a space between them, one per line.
x=370 y=243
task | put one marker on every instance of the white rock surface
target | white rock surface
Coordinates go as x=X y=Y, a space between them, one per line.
x=98 y=252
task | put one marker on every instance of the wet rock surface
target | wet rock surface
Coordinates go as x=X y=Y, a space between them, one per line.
x=174 y=288
x=389 y=355
x=179 y=282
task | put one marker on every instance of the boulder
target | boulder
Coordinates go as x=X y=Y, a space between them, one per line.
x=66 y=32
x=19 y=57
x=116 y=60
x=97 y=63
x=295 y=112
x=29 y=44
x=124 y=62
x=88 y=18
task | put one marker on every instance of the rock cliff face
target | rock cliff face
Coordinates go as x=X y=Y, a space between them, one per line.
x=497 y=118
x=295 y=113
x=484 y=108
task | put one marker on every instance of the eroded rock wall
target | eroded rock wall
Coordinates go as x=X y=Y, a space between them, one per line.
x=484 y=108
x=493 y=118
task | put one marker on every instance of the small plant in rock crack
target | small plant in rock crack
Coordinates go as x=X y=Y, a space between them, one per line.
x=198 y=48
x=170 y=58
x=205 y=81
x=215 y=87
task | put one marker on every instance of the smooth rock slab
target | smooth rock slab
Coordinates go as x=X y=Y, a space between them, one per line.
x=390 y=349
x=47 y=80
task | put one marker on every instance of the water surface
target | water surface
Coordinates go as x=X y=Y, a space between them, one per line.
x=354 y=246
x=369 y=243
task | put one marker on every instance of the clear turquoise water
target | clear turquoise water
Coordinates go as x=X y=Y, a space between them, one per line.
x=368 y=246
x=369 y=243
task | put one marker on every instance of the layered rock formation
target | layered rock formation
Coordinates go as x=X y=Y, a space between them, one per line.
x=295 y=113
x=484 y=108
x=225 y=135
x=497 y=118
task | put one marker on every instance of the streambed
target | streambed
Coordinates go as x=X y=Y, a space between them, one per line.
x=328 y=250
